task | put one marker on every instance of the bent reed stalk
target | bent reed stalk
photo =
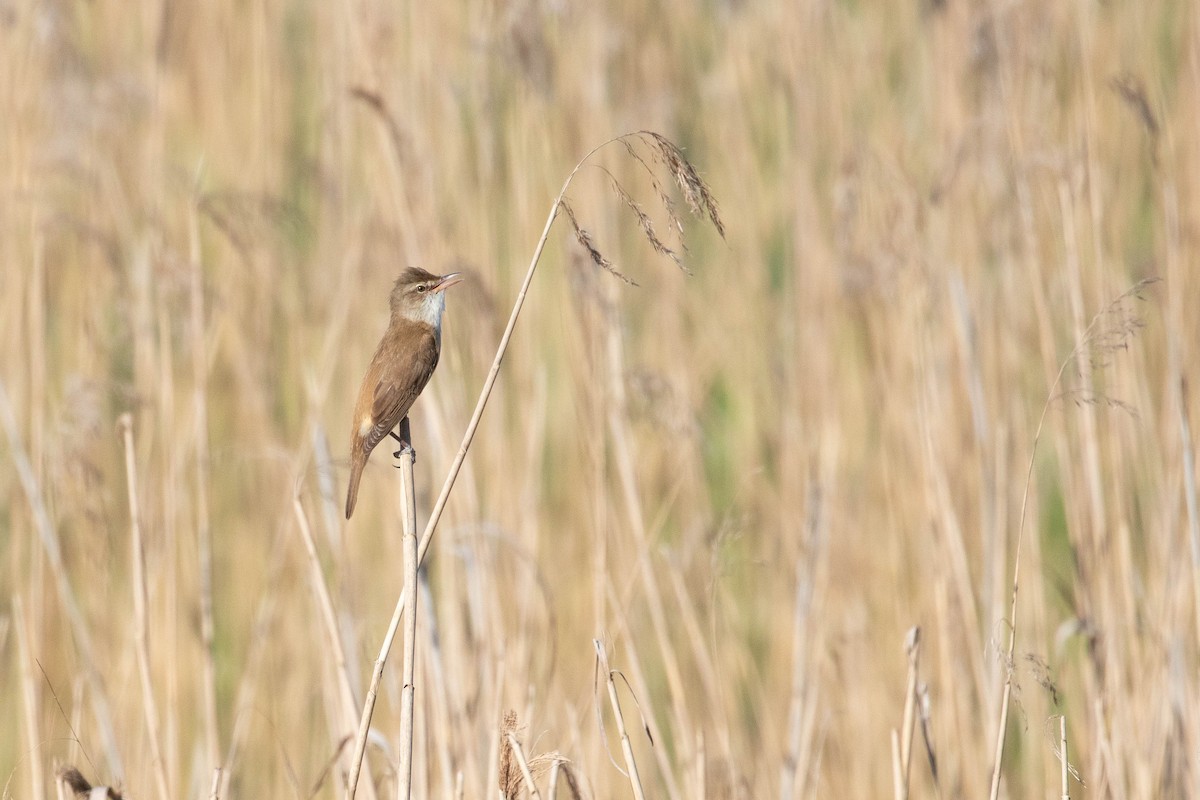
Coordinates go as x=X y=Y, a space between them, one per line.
x=700 y=201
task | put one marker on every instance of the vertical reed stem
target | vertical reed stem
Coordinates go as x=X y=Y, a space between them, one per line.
x=411 y=561
x=626 y=746
x=140 y=617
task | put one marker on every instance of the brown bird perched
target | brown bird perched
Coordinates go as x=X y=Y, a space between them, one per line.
x=402 y=365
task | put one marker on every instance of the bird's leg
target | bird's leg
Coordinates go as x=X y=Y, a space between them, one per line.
x=405 y=440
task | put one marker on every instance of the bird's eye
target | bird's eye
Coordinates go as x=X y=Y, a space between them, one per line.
x=420 y=288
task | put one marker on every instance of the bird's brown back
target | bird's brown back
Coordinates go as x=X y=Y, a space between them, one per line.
x=402 y=365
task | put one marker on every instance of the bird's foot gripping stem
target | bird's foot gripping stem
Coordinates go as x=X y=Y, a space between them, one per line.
x=406 y=447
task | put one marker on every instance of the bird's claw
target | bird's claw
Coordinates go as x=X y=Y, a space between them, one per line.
x=405 y=449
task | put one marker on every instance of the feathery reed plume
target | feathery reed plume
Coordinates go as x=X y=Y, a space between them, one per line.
x=695 y=191
x=588 y=243
x=508 y=776
x=644 y=221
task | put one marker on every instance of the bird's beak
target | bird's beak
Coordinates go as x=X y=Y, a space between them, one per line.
x=447 y=281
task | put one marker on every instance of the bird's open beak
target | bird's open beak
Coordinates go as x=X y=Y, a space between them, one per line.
x=447 y=281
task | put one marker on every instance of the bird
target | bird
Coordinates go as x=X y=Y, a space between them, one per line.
x=402 y=365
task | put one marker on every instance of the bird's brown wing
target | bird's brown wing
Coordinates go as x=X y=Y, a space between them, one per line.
x=397 y=391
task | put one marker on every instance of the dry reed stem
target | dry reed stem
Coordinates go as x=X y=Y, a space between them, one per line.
x=631 y=770
x=623 y=441
x=639 y=685
x=320 y=590
x=364 y=726
x=801 y=708
x=411 y=564
x=1062 y=731
x=1189 y=493
x=787 y=299
x=699 y=197
x=552 y=784
x=197 y=334
x=66 y=594
x=1091 y=335
x=912 y=647
x=899 y=790
x=140 y=617
x=456 y=465
x=927 y=736
x=1179 y=383
x=702 y=653
x=438 y=706
x=31 y=707
x=519 y=756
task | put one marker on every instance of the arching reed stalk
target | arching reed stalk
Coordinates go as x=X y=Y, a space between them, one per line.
x=646 y=148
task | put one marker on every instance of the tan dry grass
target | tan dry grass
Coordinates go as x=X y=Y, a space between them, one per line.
x=749 y=482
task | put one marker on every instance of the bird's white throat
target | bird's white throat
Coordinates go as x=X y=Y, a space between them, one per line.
x=430 y=311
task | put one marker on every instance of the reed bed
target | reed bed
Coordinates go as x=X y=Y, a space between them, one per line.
x=932 y=369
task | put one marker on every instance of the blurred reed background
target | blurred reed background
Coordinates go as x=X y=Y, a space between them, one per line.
x=748 y=483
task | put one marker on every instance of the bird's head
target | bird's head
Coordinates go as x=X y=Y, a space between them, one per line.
x=420 y=296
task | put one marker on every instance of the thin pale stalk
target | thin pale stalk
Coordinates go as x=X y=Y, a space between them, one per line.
x=364 y=726
x=441 y=726
x=1016 y=582
x=801 y=709
x=328 y=617
x=913 y=647
x=1189 y=493
x=519 y=755
x=32 y=709
x=456 y=467
x=408 y=693
x=66 y=593
x=898 y=790
x=1062 y=734
x=626 y=745
x=637 y=679
x=140 y=617
x=622 y=441
x=212 y=739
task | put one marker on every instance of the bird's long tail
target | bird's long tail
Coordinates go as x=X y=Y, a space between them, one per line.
x=356 y=468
